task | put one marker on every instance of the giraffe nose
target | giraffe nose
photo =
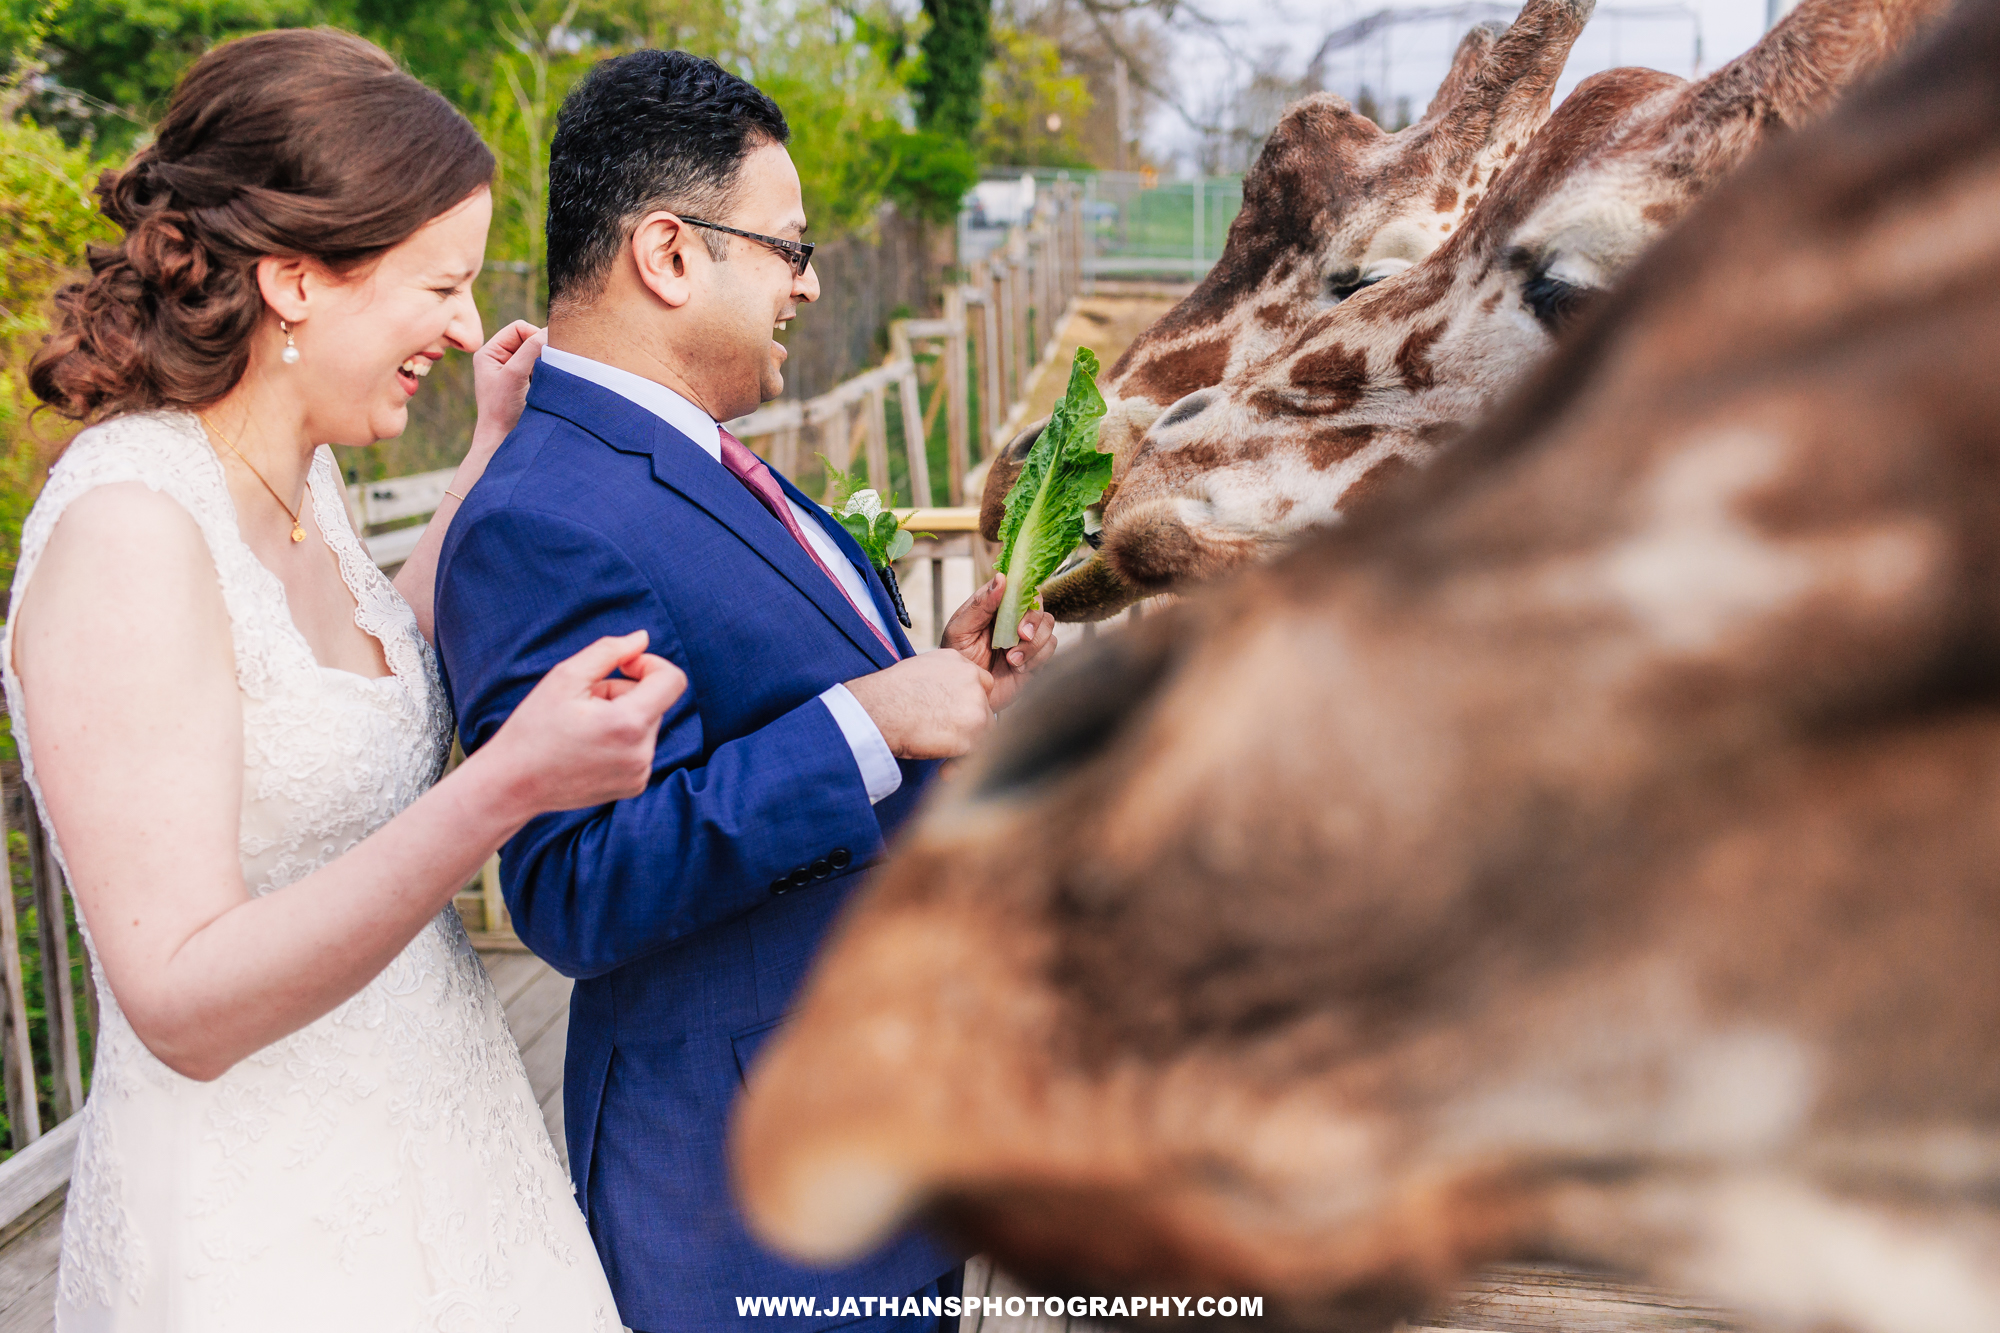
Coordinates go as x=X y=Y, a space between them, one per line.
x=1180 y=413
x=1187 y=409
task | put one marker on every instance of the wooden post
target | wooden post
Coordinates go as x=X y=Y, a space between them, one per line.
x=787 y=448
x=938 y=396
x=990 y=411
x=954 y=385
x=23 y=1115
x=835 y=442
x=1005 y=314
x=995 y=390
x=916 y=447
x=937 y=603
x=495 y=903
x=878 y=438
x=58 y=996
x=1023 y=350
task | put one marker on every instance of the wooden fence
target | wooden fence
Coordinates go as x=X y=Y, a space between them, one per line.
x=68 y=1009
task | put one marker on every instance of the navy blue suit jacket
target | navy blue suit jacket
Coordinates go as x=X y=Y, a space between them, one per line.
x=678 y=911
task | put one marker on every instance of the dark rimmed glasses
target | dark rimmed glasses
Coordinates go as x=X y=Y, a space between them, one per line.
x=800 y=253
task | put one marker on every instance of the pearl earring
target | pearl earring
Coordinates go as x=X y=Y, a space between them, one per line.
x=290 y=356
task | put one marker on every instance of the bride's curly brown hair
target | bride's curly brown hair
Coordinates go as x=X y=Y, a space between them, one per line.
x=301 y=143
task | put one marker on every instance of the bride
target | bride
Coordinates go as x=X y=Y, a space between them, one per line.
x=307 y=1112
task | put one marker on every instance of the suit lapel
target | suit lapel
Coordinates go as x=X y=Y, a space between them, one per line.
x=686 y=468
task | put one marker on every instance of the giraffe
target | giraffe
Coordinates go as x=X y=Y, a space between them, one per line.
x=1332 y=206
x=1377 y=385
x=1588 y=854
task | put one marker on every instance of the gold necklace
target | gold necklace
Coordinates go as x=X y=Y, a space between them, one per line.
x=298 y=533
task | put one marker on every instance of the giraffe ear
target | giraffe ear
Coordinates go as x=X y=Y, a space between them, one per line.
x=1506 y=94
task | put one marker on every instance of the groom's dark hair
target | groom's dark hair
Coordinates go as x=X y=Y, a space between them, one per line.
x=646 y=131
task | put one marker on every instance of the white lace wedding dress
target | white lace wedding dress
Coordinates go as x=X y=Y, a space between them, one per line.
x=385 y=1168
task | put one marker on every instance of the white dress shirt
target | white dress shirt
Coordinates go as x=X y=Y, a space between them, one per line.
x=879 y=771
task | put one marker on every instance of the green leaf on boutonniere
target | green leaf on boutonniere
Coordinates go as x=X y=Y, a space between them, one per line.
x=873 y=524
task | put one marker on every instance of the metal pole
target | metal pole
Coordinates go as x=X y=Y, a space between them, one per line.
x=1199 y=247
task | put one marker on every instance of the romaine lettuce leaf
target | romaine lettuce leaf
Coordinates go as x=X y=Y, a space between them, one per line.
x=1064 y=475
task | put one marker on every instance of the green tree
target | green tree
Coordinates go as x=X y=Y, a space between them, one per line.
x=47 y=217
x=956 y=48
x=1035 y=108
x=123 y=56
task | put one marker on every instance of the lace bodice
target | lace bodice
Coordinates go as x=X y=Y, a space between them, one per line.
x=386 y=1166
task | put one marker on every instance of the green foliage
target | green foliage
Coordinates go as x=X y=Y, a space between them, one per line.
x=126 y=54
x=955 y=50
x=1064 y=475
x=47 y=216
x=1026 y=87
x=930 y=173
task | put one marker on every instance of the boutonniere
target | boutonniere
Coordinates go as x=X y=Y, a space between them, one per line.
x=874 y=526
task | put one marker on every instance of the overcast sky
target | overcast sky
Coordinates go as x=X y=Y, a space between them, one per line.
x=1413 y=56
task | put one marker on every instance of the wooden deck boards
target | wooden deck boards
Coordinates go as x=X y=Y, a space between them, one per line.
x=536 y=1000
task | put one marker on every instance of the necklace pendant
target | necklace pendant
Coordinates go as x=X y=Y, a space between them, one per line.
x=298 y=533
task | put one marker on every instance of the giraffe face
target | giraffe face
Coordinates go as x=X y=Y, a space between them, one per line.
x=1378 y=384
x=1332 y=207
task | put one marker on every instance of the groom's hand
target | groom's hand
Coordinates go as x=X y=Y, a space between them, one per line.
x=969 y=633
x=931 y=706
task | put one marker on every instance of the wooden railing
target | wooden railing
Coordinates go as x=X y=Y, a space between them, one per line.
x=67 y=1021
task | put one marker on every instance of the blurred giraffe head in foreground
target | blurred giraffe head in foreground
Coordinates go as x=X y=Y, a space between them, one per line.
x=1592 y=854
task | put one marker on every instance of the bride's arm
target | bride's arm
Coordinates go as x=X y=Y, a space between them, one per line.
x=500 y=372
x=123 y=648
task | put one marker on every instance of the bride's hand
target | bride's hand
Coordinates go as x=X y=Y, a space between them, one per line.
x=585 y=736
x=500 y=372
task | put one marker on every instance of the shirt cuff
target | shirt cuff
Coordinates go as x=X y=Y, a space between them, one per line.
x=880 y=773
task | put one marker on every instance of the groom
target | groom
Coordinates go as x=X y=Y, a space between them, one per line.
x=810 y=727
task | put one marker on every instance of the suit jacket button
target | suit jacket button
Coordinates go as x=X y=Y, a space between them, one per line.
x=840 y=858
x=821 y=868
x=780 y=885
x=800 y=876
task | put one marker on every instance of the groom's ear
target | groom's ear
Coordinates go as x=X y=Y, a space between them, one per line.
x=659 y=253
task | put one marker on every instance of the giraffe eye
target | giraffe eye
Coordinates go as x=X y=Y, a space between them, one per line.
x=1345 y=284
x=1554 y=302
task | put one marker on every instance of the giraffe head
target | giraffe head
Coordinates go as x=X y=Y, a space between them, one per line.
x=1370 y=388
x=1333 y=205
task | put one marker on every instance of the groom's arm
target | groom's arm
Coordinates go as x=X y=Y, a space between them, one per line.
x=591 y=890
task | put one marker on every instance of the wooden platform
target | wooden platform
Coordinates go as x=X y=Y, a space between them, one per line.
x=536 y=998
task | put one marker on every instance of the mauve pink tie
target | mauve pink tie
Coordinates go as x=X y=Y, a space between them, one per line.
x=750 y=470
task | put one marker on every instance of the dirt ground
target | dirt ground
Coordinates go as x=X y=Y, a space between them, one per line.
x=1106 y=323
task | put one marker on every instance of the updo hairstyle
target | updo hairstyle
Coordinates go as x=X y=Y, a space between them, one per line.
x=300 y=143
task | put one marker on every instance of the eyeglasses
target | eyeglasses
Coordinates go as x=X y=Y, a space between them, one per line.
x=800 y=253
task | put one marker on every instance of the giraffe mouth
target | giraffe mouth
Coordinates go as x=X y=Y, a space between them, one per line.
x=1162 y=544
x=1087 y=589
